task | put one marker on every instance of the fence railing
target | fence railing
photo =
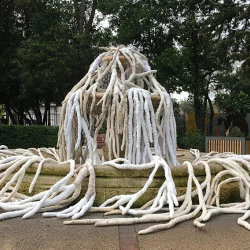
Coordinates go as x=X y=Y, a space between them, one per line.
x=235 y=145
x=54 y=119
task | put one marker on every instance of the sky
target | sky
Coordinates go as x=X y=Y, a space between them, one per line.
x=180 y=97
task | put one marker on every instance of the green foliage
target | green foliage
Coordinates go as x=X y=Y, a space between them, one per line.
x=180 y=120
x=199 y=55
x=193 y=139
x=45 y=59
x=47 y=46
x=188 y=42
x=10 y=37
x=140 y=23
x=236 y=132
x=233 y=95
x=236 y=103
x=43 y=53
x=28 y=136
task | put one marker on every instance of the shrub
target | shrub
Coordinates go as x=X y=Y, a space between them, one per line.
x=17 y=136
x=193 y=139
x=236 y=132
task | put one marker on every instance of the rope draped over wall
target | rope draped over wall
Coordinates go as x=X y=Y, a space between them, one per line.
x=133 y=126
x=65 y=191
x=118 y=92
x=235 y=169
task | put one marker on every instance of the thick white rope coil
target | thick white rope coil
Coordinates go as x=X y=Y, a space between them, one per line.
x=133 y=123
x=134 y=126
x=235 y=168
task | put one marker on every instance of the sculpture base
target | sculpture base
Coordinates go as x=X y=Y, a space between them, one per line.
x=111 y=181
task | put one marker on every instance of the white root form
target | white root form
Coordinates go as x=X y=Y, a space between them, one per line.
x=120 y=94
x=115 y=94
x=235 y=169
x=125 y=82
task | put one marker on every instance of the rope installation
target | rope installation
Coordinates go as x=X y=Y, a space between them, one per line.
x=121 y=94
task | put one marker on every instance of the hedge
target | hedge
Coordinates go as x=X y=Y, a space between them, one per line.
x=192 y=139
x=17 y=136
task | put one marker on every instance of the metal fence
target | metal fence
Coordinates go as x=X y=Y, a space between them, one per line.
x=54 y=119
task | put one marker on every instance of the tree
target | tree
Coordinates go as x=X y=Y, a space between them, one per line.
x=205 y=34
x=54 y=50
x=233 y=92
x=85 y=14
x=233 y=98
x=139 y=23
x=188 y=42
x=40 y=64
x=10 y=37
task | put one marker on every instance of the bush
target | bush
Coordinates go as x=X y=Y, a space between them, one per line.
x=17 y=136
x=193 y=139
x=236 y=132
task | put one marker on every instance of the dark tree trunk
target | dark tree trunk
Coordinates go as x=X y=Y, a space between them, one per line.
x=38 y=115
x=204 y=110
x=198 y=103
x=198 y=109
x=11 y=115
x=30 y=120
x=80 y=14
x=21 y=116
x=81 y=18
x=89 y=24
x=46 y=115
x=49 y=117
x=211 y=116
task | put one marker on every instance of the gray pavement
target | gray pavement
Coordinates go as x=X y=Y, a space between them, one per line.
x=221 y=232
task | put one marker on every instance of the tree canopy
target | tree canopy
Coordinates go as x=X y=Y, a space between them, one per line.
x=47 y=46
x=191 y=43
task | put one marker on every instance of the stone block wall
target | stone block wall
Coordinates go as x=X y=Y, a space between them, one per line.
x=111 y=181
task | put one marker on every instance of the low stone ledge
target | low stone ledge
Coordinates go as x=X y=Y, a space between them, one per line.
x=111 y=181
x=110 y=172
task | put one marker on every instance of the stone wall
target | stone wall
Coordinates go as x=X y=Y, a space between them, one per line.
x=110 y=181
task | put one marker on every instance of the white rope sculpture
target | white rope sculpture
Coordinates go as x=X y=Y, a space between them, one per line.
x=132 y=123
x=124 y=83
x=119 y=92
x=235 y=169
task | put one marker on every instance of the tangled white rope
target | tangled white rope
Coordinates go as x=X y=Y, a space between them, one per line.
x=125 y=107
x=118 y=92
x=120 y=84
x=235 y=169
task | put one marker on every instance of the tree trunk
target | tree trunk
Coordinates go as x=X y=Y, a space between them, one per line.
x=11 y=115
x=198 y=109
x=80 y=14
x=211 y=116
x=46 y=115
x=89 y=24
x=204 y=111
x=198 y=103
x=81 y=18
x=30 y=120
x=38 y=115
x=49 y=117
x=21 y=116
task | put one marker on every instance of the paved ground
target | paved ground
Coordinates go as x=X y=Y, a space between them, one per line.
x=222 y=232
